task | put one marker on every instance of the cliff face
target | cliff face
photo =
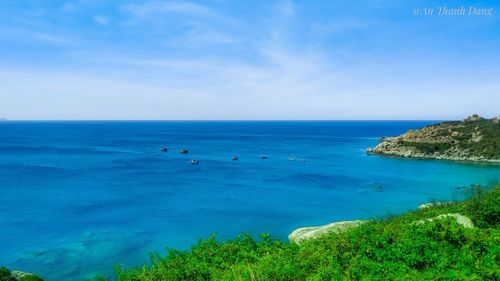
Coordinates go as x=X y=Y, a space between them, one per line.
x=473 y=139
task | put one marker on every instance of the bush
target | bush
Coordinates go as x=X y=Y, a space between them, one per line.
x=484 y=206
x=4 y=274
x=427 y=147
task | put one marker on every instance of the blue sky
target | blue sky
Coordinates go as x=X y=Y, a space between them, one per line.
x=130 y=59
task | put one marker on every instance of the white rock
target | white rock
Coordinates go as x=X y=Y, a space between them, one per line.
x=434 y=204
x=461 y=220
x=312 y=232
x=19 y=274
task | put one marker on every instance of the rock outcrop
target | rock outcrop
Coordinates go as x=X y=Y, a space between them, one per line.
x=312 y=232
x=461 y=220
x=16 y=275
x=473 y=139
x=433 y=204
x=20 y=276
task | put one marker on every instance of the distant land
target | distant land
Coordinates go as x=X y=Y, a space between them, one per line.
x=474 y=139
x=3 y=119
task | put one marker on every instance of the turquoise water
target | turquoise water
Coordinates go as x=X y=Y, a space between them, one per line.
x=79 y=197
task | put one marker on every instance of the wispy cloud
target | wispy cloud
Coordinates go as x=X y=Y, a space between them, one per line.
x=344 y=25
x=50 y=38
x=286 y=8
x=198 y=37
x=182 y=23
x=151 y=8
x=237 y=60
x=74 y=5
x=102 y=20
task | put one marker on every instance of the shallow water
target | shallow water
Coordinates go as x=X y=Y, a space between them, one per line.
x=79 y=197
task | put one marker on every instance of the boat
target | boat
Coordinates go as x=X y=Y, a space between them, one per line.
x=234 y=158
x=263 y=156
x=163 y=149
x=184 y=151
x=195 y=161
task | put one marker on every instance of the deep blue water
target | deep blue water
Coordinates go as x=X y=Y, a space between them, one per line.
x=77 y=198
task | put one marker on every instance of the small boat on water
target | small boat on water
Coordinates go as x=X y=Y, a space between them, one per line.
x=163 y=149
x=184 y=151
x=195 y=161
x=263 y=156
x=234 y=158
x=378 y=186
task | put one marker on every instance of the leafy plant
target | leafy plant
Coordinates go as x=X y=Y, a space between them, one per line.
x=4 y=274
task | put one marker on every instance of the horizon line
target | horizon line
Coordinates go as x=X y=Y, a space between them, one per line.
x=211 y=120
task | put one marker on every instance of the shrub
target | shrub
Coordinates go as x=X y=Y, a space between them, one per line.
x=4 y=274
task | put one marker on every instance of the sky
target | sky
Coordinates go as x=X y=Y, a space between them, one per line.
x=248 y=60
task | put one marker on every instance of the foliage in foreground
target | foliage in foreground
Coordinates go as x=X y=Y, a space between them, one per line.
x=5 y=275
x=388 y=249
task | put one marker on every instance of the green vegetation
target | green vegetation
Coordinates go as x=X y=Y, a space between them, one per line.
x=478 y=137
x=488 y=146
x=5 y=275
x=427 y=147
x=386 y=249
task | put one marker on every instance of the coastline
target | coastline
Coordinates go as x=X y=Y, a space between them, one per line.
x=472 y=140
x=395 y=154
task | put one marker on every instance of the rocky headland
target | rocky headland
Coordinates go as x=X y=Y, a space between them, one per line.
x=474 y=139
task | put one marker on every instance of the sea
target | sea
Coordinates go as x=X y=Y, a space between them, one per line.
x=78 y=198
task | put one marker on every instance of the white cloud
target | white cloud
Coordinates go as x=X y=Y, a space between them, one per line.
x=50 y=38
x=150 y=8
x=198 y=36
x=183 y=23
x=345 y=25
x=69 y=6
x=102 y=20
x=286 y=8
x=73 y=5
x=267 y=73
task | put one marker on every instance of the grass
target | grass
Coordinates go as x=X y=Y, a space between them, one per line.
x=386 y=249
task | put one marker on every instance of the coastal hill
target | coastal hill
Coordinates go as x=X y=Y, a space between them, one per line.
x=473 y=139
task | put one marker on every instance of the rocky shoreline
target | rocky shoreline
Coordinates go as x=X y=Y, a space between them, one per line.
x=474 y=139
